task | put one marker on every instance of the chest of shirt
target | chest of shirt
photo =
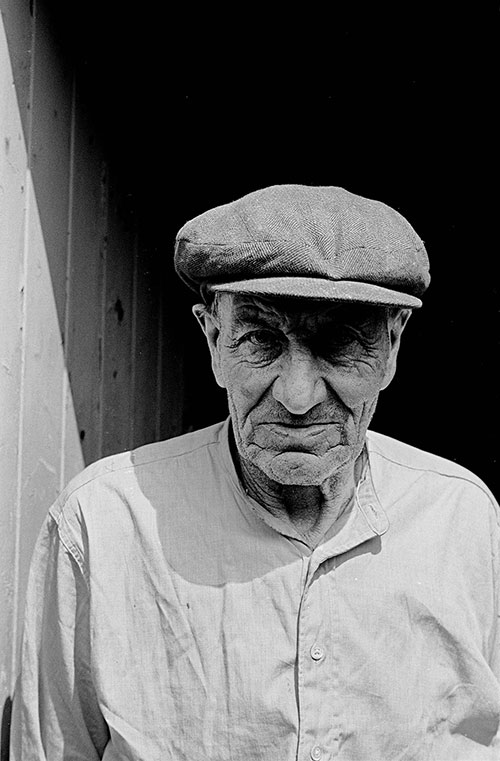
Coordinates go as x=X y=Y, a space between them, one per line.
x=315 y=649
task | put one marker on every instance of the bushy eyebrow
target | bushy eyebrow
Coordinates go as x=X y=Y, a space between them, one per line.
x=250 y=316
x=364 y=322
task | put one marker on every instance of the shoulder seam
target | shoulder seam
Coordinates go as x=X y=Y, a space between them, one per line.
x=436 y=472
x=72 y=550
x=65 y=496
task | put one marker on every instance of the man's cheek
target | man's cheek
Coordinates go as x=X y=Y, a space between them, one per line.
x=242 y=400
x=246 y=383
x=356 y=391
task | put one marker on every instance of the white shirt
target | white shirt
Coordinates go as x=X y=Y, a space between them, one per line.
x=170 y=616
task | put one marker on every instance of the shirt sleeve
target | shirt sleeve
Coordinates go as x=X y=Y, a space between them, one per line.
x=56 y=714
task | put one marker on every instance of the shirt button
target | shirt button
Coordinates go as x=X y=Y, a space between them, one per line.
x=317 y=653
x=316 y=753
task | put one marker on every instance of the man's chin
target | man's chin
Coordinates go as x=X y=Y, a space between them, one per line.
x=298 y=469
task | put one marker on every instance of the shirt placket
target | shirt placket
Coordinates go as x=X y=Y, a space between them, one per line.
x=313 y=664
x=320 y=729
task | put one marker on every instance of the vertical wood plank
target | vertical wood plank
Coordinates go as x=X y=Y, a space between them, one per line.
x=117 y=365
x=50 y=149
x=84 y=339
x=171 y=402
x=146 y=348
x=18 y=29
x=42 y=393
x=71 y=451
x=13 y=167
x=46 y=241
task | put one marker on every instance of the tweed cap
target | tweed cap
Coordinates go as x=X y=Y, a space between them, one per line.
x=307 y=242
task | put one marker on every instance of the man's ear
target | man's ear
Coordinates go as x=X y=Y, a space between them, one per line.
x=395 y=326
x=210 y=328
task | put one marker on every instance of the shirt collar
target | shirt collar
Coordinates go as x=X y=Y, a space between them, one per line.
x=366 y=517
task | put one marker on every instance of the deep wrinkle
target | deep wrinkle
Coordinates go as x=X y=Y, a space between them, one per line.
x=338 y=334
x=302 y=380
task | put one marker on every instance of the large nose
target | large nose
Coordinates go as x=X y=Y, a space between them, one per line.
x=299 y=386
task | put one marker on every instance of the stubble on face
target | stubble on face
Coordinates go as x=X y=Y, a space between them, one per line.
x=346 y=348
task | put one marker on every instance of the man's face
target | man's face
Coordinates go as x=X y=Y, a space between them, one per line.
x=302 y=380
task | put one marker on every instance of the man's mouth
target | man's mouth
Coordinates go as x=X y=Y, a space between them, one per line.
x=294 y=429
x=301 y=437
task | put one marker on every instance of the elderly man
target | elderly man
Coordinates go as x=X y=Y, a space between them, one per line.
x=286 y=584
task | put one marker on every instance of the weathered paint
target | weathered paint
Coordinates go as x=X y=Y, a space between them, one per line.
x=45 y=293
x=18 y=28
x=89 y=362
x=146 y=346
x=171 y=402
x=84 y=339
x=51 y=104
x=12 y=203
x=42 y=394
x=71 y=456
x=117 y=369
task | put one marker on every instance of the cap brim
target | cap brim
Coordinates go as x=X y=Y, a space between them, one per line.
x=320 y=289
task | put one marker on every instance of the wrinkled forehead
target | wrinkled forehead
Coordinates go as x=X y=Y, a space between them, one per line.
x=294 y=313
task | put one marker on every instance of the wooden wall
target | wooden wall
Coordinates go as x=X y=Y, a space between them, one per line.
x=86 y=368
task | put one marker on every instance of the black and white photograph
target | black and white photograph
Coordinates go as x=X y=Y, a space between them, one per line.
x=249 y=396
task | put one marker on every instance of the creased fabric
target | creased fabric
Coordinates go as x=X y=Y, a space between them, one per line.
x=169 y=618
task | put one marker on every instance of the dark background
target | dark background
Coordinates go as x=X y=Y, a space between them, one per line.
x=201 y=107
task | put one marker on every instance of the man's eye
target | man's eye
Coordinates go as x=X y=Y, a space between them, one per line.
x=262 y=346
x=337 y=346
x=262 y=339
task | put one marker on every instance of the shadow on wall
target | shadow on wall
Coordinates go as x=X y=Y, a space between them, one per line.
x=5 y=731
x=114 y=302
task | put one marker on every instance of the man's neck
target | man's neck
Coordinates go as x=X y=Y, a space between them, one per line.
x=311 y=510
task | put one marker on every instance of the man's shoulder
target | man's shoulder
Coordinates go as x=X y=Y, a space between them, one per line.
x=397 y=454
x=179 y=446
x=116 y=467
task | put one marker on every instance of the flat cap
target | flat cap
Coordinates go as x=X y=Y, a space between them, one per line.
x=308 y=242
